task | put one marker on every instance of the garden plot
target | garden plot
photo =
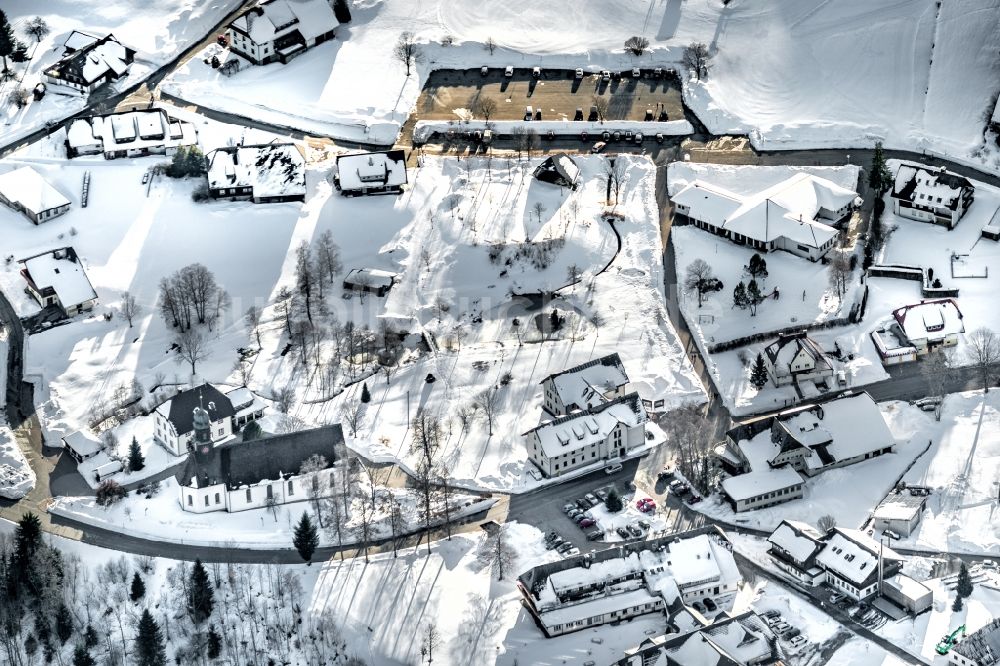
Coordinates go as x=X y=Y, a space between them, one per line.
x=870 y=481
x=157 y=30
x=961 y=467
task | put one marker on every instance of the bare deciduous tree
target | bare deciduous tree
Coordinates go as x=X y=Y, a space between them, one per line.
x=192 y=347
x=37 y=28
x=407 y=51
x=496 y=550
x=352 y=413
x=490 y=45
x=983 y=351
x=483 y=105
x=489 y=403
x=840 y=271
x=699 y=278
x=826 y=523
x=696 y=57
x=130 y=307
x=252 y=319
x=636 y=45
x=600 y=105
x=935 y=368
x=327 y=252
x=615 y=170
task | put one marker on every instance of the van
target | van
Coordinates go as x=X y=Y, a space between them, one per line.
x=613 y=468
x=529 y=113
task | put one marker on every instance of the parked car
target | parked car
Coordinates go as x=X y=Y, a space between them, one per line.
x=613 y=468
x=573 y=513
x=484 y=71
x=891 y=534
x=509 y=71
x=594 y=535
x=590 y=497
x=555 y=543
x=693 y=499
x=598 y=147
x=145 y=177
x=579 y=72
x=579 y=518
x=622 y=532
x=634 y=530
x=797 y=641
x=644 y=524
x=791 y=633
x=587 y=522
x=529 y=113
x=605 y=75
x=564 y=547
x=639 y=502
x=588 y=514
x=536 y=72
x=780 y=627
x=836 y=597
x=583 y=504
x=636 y=73
x=709 y=604
x=666 y=473
x=770 y=613
x=568 y=507
x=573 y=550
x=551 y=536
x=602 y=493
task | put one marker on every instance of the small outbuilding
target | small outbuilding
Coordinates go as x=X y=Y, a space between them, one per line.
x=370 y=280
x=80 y=446
x=558 y=169
x=371 y=173
x=911 y=595
x=899 y=512
x=25 y=191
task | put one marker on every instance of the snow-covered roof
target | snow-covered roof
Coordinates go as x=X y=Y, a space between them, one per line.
x=92 y=61
x=899 y=506
x=788 y=209
x=936 y=188
x=853 y=555
x=783 y=351
x=559 y=169
x=121 y=131
x=81 y=134
x=839 y=429
x=700 y=560
x=78 y=40
x=743 y=639
x=83 y=444
x=277 y=18
x=26 y=187
x=271 y=170
x=930 y=320
x=796 y=538
x=370 y=277
x=386 y=169
x=579 y=430
x=983 y=647
x=585 y=385
x=908 y=587
x=61 y=271
x=756 y=483
x=563 y=615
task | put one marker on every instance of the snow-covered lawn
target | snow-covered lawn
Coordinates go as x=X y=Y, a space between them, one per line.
x=16 y=476
x=824 y=494
x=162 y=518
x=962 y=467
x=157 y=30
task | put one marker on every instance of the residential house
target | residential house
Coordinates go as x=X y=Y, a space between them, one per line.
x=237 y=476
x=584 y=386
x=57 y=278
x=930 y=195
x=173 y=419
x=899 y=512
x=369 y=280
x=797 y=215
x=795 y=357
x=730 y=640
x=654 y=576
x=981 y=648
x=25 y=191
x=130 y=134
x=608 y=431
x=265 y=173
x=930 y=324
x=81 y=446
x=558 y=169
x=793 y=548
x=848 y=560
x=247 y=407
x=807 y=440
x=279 y=30
x=90 y=65
x=370 y=173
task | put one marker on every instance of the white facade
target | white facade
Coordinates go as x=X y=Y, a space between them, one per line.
x=930 y=195
x=295 y=488
x=166 y=435
x=586 y=385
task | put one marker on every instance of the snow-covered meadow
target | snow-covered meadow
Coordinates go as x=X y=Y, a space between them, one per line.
x=16 y=476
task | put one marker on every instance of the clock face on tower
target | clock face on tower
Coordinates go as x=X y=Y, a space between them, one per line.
x=204 y=449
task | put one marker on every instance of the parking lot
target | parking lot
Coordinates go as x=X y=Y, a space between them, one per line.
x=448 y=94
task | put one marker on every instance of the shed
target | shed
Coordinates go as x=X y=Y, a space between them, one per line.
x=107 y=469
x=558 y=169
x=899 y=512
x=913 y=596
x=371 y=280
x=80 y=446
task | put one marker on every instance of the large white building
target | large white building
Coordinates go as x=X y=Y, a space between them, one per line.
x=279 y=30
x=57 y=278
x=794 y=215
x=930 y=195
x=129 y=134
x=655 y=576
x=584 y=386
x=173 y=420
x=768 y=458
x=728 y=640
x=608 y=431
x=236 y=476
x=25 y=191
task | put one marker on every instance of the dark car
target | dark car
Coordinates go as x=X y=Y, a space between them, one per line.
x=579 y=518
x=568 y=507
x=623 y=533
x=573 y=513
x=551 y=536
x=709 y=604
x=635 y=531
x=666 y=473
x=587 y=522
x=694 y=499
x=564 y=547
x=583 y=504
x=644 y=524
x=595 y=535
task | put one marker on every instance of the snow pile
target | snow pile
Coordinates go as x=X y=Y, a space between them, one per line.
x=17 y=479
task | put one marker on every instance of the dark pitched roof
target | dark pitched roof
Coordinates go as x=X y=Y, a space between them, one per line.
x=559 y=169
x=73 y=65
x=268 y=458
x=611 y=360
x=804 y=342
x=983 y=646
x=207 y=397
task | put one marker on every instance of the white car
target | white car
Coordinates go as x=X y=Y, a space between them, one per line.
x=613 y=469
x=579 y=72
x=605 y=75
x=509 y=71
x=598 y=147
x=536 y=72
x=636 y=73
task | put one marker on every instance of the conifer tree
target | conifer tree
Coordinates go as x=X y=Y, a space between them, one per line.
x=957 y=606
x=964 y=586
x=8 y=43
x=306 y=538
x=201 y=598
x=81 y=657
x=149 y=648
x=136 y=461
x=138 y=588
x=740 y=299
x=214 y=643
x=64 y=624
x=365 y=395
x=879 y=176
x=614 y=501
x=758 y=374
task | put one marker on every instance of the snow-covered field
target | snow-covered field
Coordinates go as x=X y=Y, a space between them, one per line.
x=914 y=74
x=157 y=30
x=962 y=467
x=16 y=476
x=824 y=494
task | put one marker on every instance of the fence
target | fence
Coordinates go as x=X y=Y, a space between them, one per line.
x=916 y=274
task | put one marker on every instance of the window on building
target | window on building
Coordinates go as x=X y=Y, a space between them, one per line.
x=270 y=492
x=249 y=495
x=217 y=498
x=206 y=500
x=291 y=488
x=190 y=501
